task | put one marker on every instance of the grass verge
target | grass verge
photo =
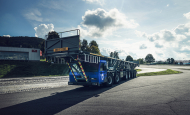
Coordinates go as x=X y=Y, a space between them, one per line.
x=31 y=69
x=168 y=71
x=138 y=70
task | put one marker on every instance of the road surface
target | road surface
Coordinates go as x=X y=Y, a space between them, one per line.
x=166 y=94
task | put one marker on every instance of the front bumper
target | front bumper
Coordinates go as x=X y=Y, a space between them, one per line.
x=84 y=83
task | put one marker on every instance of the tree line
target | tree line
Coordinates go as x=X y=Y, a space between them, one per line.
x=22 y=41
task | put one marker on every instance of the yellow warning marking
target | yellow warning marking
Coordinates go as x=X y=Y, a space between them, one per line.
x=72 y=72
x=83 y=71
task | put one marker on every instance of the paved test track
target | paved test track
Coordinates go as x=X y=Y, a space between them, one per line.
x=166 y=94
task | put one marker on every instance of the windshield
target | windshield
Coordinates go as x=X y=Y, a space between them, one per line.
x=90 y=67
x=76 y=68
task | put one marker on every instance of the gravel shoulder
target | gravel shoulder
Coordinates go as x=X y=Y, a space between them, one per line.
x=12 y=85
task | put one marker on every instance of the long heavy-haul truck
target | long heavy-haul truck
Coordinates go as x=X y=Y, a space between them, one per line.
x=86 y=68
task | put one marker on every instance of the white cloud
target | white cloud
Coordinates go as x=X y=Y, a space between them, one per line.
x=101 y=2
x=6 y=36
x=101 y=23
x=106 y=51
x=169 y=43
x=140 y=34
x=157 y=45
x=178 y=34
x=187 y=15
x=143 y=46
x=182 y=28
x=43 y=30
x=34 y=14
x=167 y=35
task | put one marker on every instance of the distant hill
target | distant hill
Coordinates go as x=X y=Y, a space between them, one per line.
x=24 y=41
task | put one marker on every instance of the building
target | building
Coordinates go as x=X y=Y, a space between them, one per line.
x=16 y=53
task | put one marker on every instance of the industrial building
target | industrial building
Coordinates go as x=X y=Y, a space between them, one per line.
x=18 y=53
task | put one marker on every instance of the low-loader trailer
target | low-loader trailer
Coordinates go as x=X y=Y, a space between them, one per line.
x=88 y=68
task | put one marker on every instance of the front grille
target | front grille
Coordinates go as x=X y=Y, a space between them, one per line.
x=81 y=80
x=79 y=77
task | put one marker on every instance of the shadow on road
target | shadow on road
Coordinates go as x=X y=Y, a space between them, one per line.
x=55 y=103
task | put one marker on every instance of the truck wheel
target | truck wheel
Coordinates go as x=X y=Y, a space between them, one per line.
x=135 y=74
x=109 y=80
x=126 y=76
x=129 y=75
x=117 y=78
x=132 y=74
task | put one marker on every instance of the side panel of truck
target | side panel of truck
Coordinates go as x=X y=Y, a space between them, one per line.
x=102 y=71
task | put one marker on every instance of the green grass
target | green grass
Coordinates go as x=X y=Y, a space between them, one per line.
x=168 y=71
x=138 y=70
x=42 y=59
x=31 y=69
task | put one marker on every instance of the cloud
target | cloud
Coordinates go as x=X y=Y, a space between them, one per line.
x=56 y=4
x=43 y=30
x=167 y=5
x=101 y=23
x=178 y=34
x=34 y=14
x=140 y=34
x=169 y=43
x=167 y=35
x=101 y=2
x=157 y=45
x=187 y=15
x=143 y=46
x=159 y=54
x=106 y=51
x=183 y=29
x=153 y=37
x=6 y=36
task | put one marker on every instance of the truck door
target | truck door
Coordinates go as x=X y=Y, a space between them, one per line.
x=103 y=71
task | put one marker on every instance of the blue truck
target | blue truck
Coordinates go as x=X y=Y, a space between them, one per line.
x=88 y=69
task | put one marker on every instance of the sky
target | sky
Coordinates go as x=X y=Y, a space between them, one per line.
x=130 y=27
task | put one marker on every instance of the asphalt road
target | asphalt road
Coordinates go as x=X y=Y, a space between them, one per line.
x=159 y=95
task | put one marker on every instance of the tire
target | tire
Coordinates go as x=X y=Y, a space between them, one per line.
x=132 y=74
x=135 y=74
x=116 y=79
x=109 y=82
x=126 y=77
x=129 y=75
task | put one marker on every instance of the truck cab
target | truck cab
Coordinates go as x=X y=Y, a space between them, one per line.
x=96 y=73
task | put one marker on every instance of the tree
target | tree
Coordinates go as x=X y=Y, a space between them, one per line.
x=111 y=54
x=140 y=60
x=169 y=60
x=92 y=47
x=172 y=61
x=95 y=49
x=53 y=35
x=149 y=58
x=93 y=43
x=115 y=55
x=129 y=58
x=24 y=41
x=84 y=46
